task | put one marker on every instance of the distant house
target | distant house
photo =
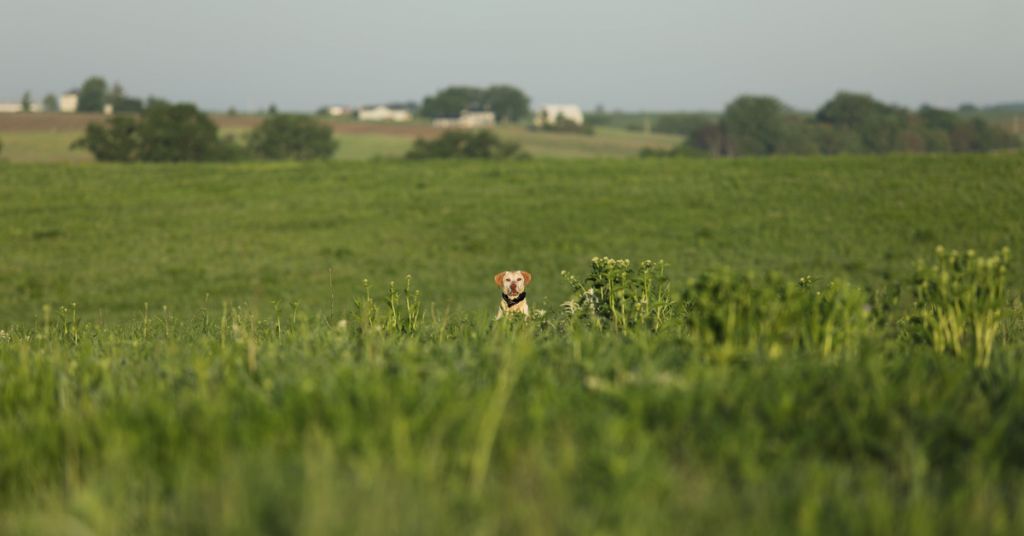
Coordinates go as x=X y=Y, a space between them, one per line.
x=108 y=109
x=337 y=111
x=16 y=107
x=384 y=113
x=549 y=114
x=466 y=119
x=68 y=102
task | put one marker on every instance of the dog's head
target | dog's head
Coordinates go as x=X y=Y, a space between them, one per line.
x=512 y=284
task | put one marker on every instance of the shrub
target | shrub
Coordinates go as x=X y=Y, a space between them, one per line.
x=162 y=133
x=117 y=142
x=464 y=144
x=768 y=314
x=959 y=302
x=616 y=294
x=292 y=137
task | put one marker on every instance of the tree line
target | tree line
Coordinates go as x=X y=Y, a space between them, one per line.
x=848 y=123
x=167 y=132
x=508 y=103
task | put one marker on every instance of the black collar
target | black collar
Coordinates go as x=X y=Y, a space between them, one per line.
x=509 y=302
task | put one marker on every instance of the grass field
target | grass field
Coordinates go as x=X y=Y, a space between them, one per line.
x=112 y=238
x=190 y=348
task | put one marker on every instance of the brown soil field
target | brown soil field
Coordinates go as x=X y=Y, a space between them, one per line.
x=60 y=122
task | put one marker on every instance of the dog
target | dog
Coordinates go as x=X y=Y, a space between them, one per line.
x=513 y=292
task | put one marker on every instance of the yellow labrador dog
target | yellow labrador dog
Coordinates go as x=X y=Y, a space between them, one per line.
x=513 y=292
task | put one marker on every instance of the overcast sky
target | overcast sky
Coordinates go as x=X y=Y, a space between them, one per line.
x=635 y=54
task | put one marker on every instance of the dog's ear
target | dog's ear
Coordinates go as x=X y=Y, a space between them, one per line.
x=527 y=278
x=498 y=277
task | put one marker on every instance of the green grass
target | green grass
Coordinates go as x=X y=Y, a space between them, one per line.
x=114 y=237
x=605 y=142
x=260 y=392
x=370 y=146
x=42 y=147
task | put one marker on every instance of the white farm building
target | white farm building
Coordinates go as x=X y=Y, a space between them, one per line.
x=549 y=114
x=466 y=119
x=384 y=113
x=68 y=102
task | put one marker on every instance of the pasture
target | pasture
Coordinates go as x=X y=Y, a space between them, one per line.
x=193 y=349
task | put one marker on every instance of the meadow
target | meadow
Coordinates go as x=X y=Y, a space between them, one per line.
x=193 y=348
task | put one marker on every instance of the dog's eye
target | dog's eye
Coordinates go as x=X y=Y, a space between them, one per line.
x=519 y=279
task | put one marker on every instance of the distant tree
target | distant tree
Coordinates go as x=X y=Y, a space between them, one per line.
x=26 y=102
x=50 y=103
x=450 y=102
x=292 y=137
x=178 y=132
x=116 y=93
x=837 y=140
x=272 y=109
x=92 y=95
x=848 y=123
x=879 y=126
x=852 y=110
x=797 y=137
x=163 y=132
x=754 y=125
x=128 y=105
x=118 y=141
x=507 y=102
x=937 y=141
x=679 y=123
x=936 y=118
x=599 y=118
x=121 y=102
x=976 y=135
x=232 y=111
x=707 y=138
x=464 y=144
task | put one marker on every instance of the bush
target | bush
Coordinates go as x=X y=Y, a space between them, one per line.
x=117 y=142
x=618 y=295
x=162 y=133
x=959 y=302
x=465 y=144
x=765 y=313
x=292 y=137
